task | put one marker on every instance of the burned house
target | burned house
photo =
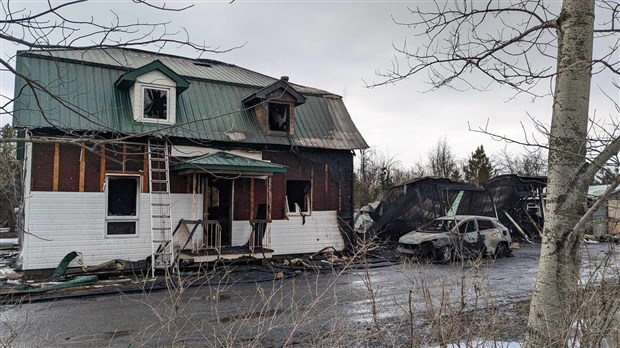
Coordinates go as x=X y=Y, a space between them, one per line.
x=520 y=202
x=131 y=155
x=606 y=219
x=409 y=205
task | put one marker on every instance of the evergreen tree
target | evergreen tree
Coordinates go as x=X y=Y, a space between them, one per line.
x=478 y=169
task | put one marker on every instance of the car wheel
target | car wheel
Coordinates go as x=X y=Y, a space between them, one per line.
x=501 y=250
x=444 y=254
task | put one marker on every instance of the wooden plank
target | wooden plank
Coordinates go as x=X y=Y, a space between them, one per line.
x=325 y=186
x=56 y=167
x=145 y=171
x=251 y=198
x=111 y=171
x=82 y=168
x=269 y=199
x=102 y=169
x=124 y=155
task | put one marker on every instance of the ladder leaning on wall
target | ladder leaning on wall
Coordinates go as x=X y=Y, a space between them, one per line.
x=162 y=246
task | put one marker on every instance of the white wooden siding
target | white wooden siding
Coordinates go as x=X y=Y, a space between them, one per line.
x=75 y=221
x=291 y=237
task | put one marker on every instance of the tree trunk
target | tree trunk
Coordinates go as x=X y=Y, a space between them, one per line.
x=553 y=304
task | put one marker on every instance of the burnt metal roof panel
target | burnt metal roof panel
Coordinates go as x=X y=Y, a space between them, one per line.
x=227 y=162
x=80 y=95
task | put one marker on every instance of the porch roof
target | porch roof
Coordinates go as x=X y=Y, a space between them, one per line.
x=224 y=162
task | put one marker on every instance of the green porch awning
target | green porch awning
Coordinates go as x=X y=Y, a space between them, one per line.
x=227 y=163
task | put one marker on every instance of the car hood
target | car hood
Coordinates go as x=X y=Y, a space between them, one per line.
x=421 y=237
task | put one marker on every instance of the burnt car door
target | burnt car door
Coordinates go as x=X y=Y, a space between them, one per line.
x=469 y=236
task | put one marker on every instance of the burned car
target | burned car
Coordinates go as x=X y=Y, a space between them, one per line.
x=449 y=238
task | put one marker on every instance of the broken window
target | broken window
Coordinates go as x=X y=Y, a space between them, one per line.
x=485 y=224
x=122 y=205
x=155 y=103
x=279 y=117
x=298 y=193
x=467 y=226
x=214 y=196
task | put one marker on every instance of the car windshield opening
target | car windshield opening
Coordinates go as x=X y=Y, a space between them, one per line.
x=439 y=226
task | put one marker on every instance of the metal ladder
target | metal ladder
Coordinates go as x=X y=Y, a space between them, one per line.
x=162 y=246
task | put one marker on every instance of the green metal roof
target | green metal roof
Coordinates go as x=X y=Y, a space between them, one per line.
x=224 y=162
x=129 y=78
x=82 y=96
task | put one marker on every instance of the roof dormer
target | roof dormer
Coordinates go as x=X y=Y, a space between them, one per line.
x=153 y=90
x=274 y=106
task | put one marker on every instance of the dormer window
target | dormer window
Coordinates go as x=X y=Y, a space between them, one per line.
x=274 y=107
x=279 y=117
x=153 y=91
x=155 y=103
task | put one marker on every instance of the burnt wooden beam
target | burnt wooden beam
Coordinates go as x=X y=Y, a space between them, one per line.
x=82 y=176
x=251 y=198
x=56 y=169
x=102 y=169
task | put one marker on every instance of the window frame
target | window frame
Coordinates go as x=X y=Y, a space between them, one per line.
x=168 y=90
x=289 y=117
x=136 y=95
x=309 y=198
x=122 y=218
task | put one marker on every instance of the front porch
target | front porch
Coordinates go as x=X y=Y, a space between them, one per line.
x=226 y=253
x=201 y=241
x=217 y=176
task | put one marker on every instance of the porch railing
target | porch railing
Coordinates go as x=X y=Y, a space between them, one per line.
x=260 y=237
x=213 y=235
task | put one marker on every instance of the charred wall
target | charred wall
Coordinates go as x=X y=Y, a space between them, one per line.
x=330 y=175
x=72 y=168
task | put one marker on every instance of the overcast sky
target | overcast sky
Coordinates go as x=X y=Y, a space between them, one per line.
x=335 y=45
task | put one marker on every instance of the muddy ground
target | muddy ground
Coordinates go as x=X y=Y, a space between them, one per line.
x=377 y=306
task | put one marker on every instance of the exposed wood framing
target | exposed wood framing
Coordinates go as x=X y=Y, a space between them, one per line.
x=56 y=167
x=269 y=199
x=206 y=199
x=102 y=169
x=124 y=156
x=145 y=172
x=138 y=172
x=82 y=168
x=251 y=198
x=325 y=185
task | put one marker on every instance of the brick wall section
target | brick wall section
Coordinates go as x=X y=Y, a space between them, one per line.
x=42 y=166
x=311 y=166
x=69 y=168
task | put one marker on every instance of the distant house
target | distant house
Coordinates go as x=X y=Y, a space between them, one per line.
x=254 y=166
x=606 y=219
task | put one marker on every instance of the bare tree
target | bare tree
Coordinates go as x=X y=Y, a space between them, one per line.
x=375 y=174
x=530 y=163
x=523 y=44
x=442 y=161
x=10 y=179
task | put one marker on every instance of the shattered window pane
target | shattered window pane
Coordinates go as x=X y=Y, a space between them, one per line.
x=485 y=225
x=278 y=117
x=155 y=103
x=467 y=226
x=122 y=205
x=298 y=193
x=122 y=196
